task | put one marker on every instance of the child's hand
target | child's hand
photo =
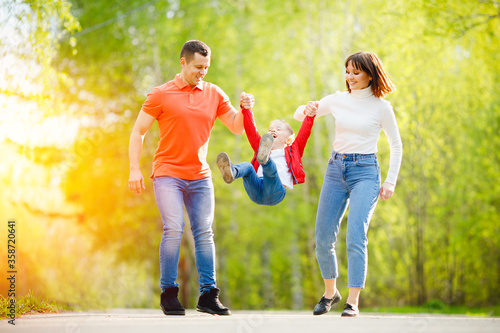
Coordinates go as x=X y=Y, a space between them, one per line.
x=247 y=101
x=311 y=109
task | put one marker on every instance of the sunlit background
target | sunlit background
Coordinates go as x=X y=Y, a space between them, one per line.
x=73 y=76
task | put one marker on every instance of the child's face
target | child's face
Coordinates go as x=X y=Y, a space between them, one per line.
x=280 y=134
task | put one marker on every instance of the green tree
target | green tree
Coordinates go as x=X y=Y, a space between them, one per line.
x=436 y=239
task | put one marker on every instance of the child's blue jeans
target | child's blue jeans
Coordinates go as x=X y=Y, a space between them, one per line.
x=267 y=190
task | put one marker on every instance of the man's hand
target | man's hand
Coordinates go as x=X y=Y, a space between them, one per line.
x=141 y=126
x=386 y=191
x=136 y=181
x=311 y=109
x=247 y=101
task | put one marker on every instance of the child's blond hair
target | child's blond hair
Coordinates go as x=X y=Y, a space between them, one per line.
x=290 y=130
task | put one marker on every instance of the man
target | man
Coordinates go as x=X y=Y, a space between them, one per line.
x=186 y=109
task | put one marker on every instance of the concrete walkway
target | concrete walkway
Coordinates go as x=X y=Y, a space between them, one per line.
x=151 y=321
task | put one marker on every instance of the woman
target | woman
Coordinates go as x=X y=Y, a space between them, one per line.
x=353 y=175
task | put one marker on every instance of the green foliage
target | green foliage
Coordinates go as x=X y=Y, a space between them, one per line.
x=434 y=244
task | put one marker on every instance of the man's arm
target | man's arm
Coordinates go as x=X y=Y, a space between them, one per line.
x=233 y=119
x=142 y=125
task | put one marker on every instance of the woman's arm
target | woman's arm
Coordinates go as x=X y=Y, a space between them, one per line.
x=391 y=129
x=324 y=106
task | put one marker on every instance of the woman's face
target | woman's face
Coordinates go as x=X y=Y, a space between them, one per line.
x=356 y=78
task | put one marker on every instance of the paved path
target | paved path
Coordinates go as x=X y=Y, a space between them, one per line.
x=151 y=321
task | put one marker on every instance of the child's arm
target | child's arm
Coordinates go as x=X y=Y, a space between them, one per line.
x=304 y=133
x=251 y=129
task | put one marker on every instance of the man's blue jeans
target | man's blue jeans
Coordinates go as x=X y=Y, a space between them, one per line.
x=354 y=180
x=267 y=190
x=198 y=197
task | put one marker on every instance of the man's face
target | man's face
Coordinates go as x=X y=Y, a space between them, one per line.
x=194 y=71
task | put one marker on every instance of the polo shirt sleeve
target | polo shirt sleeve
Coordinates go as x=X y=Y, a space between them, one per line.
x=153 y=103
x=224 y=103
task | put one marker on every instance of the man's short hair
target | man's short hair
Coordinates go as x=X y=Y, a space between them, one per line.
x=194 y=46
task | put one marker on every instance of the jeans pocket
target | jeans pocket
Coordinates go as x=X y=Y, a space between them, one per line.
x=367 y=162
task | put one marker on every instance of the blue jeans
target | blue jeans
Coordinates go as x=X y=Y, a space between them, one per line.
x=354 y=180
x=198 y=197
x=267 y=190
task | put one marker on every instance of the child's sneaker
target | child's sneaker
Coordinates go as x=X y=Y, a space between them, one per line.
x=265 y=146
x=225 y=167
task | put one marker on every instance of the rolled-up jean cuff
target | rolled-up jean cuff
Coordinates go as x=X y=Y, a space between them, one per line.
x=351 y=286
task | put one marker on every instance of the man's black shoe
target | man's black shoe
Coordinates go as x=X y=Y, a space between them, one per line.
x=325 y=304
x=350 y=310
x=170 y=304
x=209 y=303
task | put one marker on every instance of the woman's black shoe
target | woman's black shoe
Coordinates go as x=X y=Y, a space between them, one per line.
x=350 y=310
x=325 y=304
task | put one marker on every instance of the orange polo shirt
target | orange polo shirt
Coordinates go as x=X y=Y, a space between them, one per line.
x=185 y=118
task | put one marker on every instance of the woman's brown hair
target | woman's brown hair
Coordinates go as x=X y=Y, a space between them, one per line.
x=369 y=62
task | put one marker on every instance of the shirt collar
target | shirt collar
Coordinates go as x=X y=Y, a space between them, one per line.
x=181 y=85
x=362 y=93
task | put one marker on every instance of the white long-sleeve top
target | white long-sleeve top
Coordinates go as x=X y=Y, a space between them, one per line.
x=359 y=118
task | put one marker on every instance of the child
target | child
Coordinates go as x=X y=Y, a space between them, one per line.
x=280 y=160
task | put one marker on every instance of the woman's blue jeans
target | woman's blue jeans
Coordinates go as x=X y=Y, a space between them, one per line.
x=267 y=190
x=198 y=197
x=350 y=180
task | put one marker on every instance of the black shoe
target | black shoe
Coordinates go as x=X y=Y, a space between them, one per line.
x=265 y=146
x=226 y=167
x=325 y=304
x=350 y=310
x=209 y=303
x=170 y=304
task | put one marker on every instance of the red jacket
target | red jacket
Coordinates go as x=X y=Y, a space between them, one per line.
x=293 y=153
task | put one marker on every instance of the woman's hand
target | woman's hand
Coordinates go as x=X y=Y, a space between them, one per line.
x=311 y=109
x=386 y=191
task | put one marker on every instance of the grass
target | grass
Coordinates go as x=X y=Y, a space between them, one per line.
x=438 y=307
x=28 y=304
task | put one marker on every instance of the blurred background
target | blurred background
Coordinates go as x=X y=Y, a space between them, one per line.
x=73 y=77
